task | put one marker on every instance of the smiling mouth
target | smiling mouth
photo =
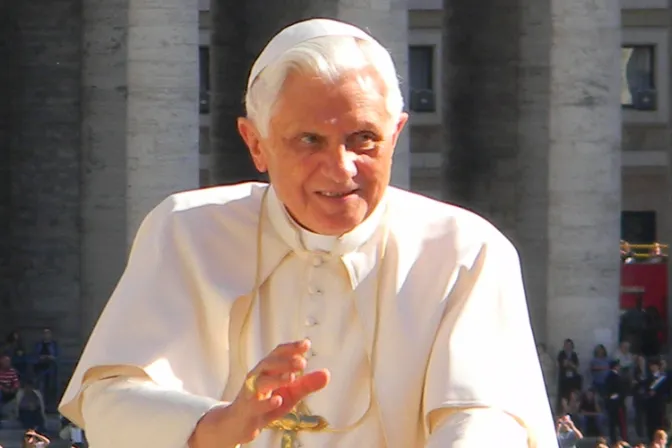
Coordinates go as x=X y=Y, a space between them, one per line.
x=336 y=194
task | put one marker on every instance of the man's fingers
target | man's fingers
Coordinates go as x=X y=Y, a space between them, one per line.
x=292 y=394
x=290 y=348
x=273 y=403
x=284 y=358
x=268 y=383
x=275 y=365
x=304 y=386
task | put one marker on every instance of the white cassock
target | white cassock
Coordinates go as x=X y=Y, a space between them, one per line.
x=437 y=288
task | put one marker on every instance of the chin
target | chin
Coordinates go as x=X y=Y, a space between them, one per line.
x=338 y=225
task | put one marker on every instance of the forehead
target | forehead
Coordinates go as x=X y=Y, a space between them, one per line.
x=356 y=98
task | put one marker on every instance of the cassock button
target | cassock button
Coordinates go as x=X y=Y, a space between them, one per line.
x=312 y=353
x=314 y=290
x=317 y=261
x=311 y=322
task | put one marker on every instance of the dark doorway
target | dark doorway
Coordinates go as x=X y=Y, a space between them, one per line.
x=639 y=227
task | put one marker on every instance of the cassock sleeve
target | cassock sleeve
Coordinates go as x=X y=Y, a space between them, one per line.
x=484 y=355
x=134 y=413
x=154 y=328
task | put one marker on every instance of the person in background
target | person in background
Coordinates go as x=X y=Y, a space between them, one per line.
x=15 y=349
x=599 y=368
x=655 y=324
x=659 y=439
x=32 y=439
x=590 y=414
x=601 y=443
x=633 y=325
x=30 y=407
x=656 y=254
x=657 y=390
x=627 y=254
x=640 y=382
x=568 y=371
x=568 y=434
x=46 y=367
x=571 y=405
x=9 y=381
x=71 y=432
x=625 y=358
x=615 y=394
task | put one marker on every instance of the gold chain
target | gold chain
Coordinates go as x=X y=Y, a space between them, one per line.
x=302 y=410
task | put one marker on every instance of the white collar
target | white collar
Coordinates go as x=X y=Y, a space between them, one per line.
x=300 y=239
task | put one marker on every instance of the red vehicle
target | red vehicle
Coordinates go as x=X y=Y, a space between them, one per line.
x=648 y=280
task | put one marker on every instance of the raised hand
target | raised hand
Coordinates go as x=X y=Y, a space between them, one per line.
x=271 y=390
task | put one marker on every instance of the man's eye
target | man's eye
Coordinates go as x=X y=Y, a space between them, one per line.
x=363 y=141
x=309 y=139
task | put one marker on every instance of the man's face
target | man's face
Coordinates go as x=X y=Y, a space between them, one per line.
x=5 y=363
x=329 y=149
x=46 y=335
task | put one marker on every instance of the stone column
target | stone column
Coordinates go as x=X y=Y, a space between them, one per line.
x=532 y=207
x=45 y=167
x=104 y=179
x=139 y=127
x=230 y=62
x=254 y=24
x=585 y=174
x=480 y=122
x=7 y=32
x=163 y=96
x=532 y=123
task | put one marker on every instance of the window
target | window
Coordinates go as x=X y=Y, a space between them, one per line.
x=421 y=78
x=645 y=75
x=204 y=69
x=638 y=227
x=424 y=76
x=421 y=67
x=638 y=77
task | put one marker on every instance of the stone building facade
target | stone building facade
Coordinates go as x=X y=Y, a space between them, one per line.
x=514 y=113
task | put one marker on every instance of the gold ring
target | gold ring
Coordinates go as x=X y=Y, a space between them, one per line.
x=251 y=383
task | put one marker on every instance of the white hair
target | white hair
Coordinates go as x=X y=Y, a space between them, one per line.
x=329 y=58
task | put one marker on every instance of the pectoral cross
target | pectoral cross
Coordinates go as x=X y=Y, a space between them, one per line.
x=297 y=421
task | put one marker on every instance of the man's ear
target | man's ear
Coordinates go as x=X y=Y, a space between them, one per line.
x=403 y=119
x=250 y=135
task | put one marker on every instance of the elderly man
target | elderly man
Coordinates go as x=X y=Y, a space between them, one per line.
x=324 y=309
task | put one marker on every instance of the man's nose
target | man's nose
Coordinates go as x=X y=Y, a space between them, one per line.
x=340 y=165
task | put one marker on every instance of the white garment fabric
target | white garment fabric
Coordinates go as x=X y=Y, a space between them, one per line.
x=475 y=428
x=133 y=413
x=452 y=306
x=464 y=429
